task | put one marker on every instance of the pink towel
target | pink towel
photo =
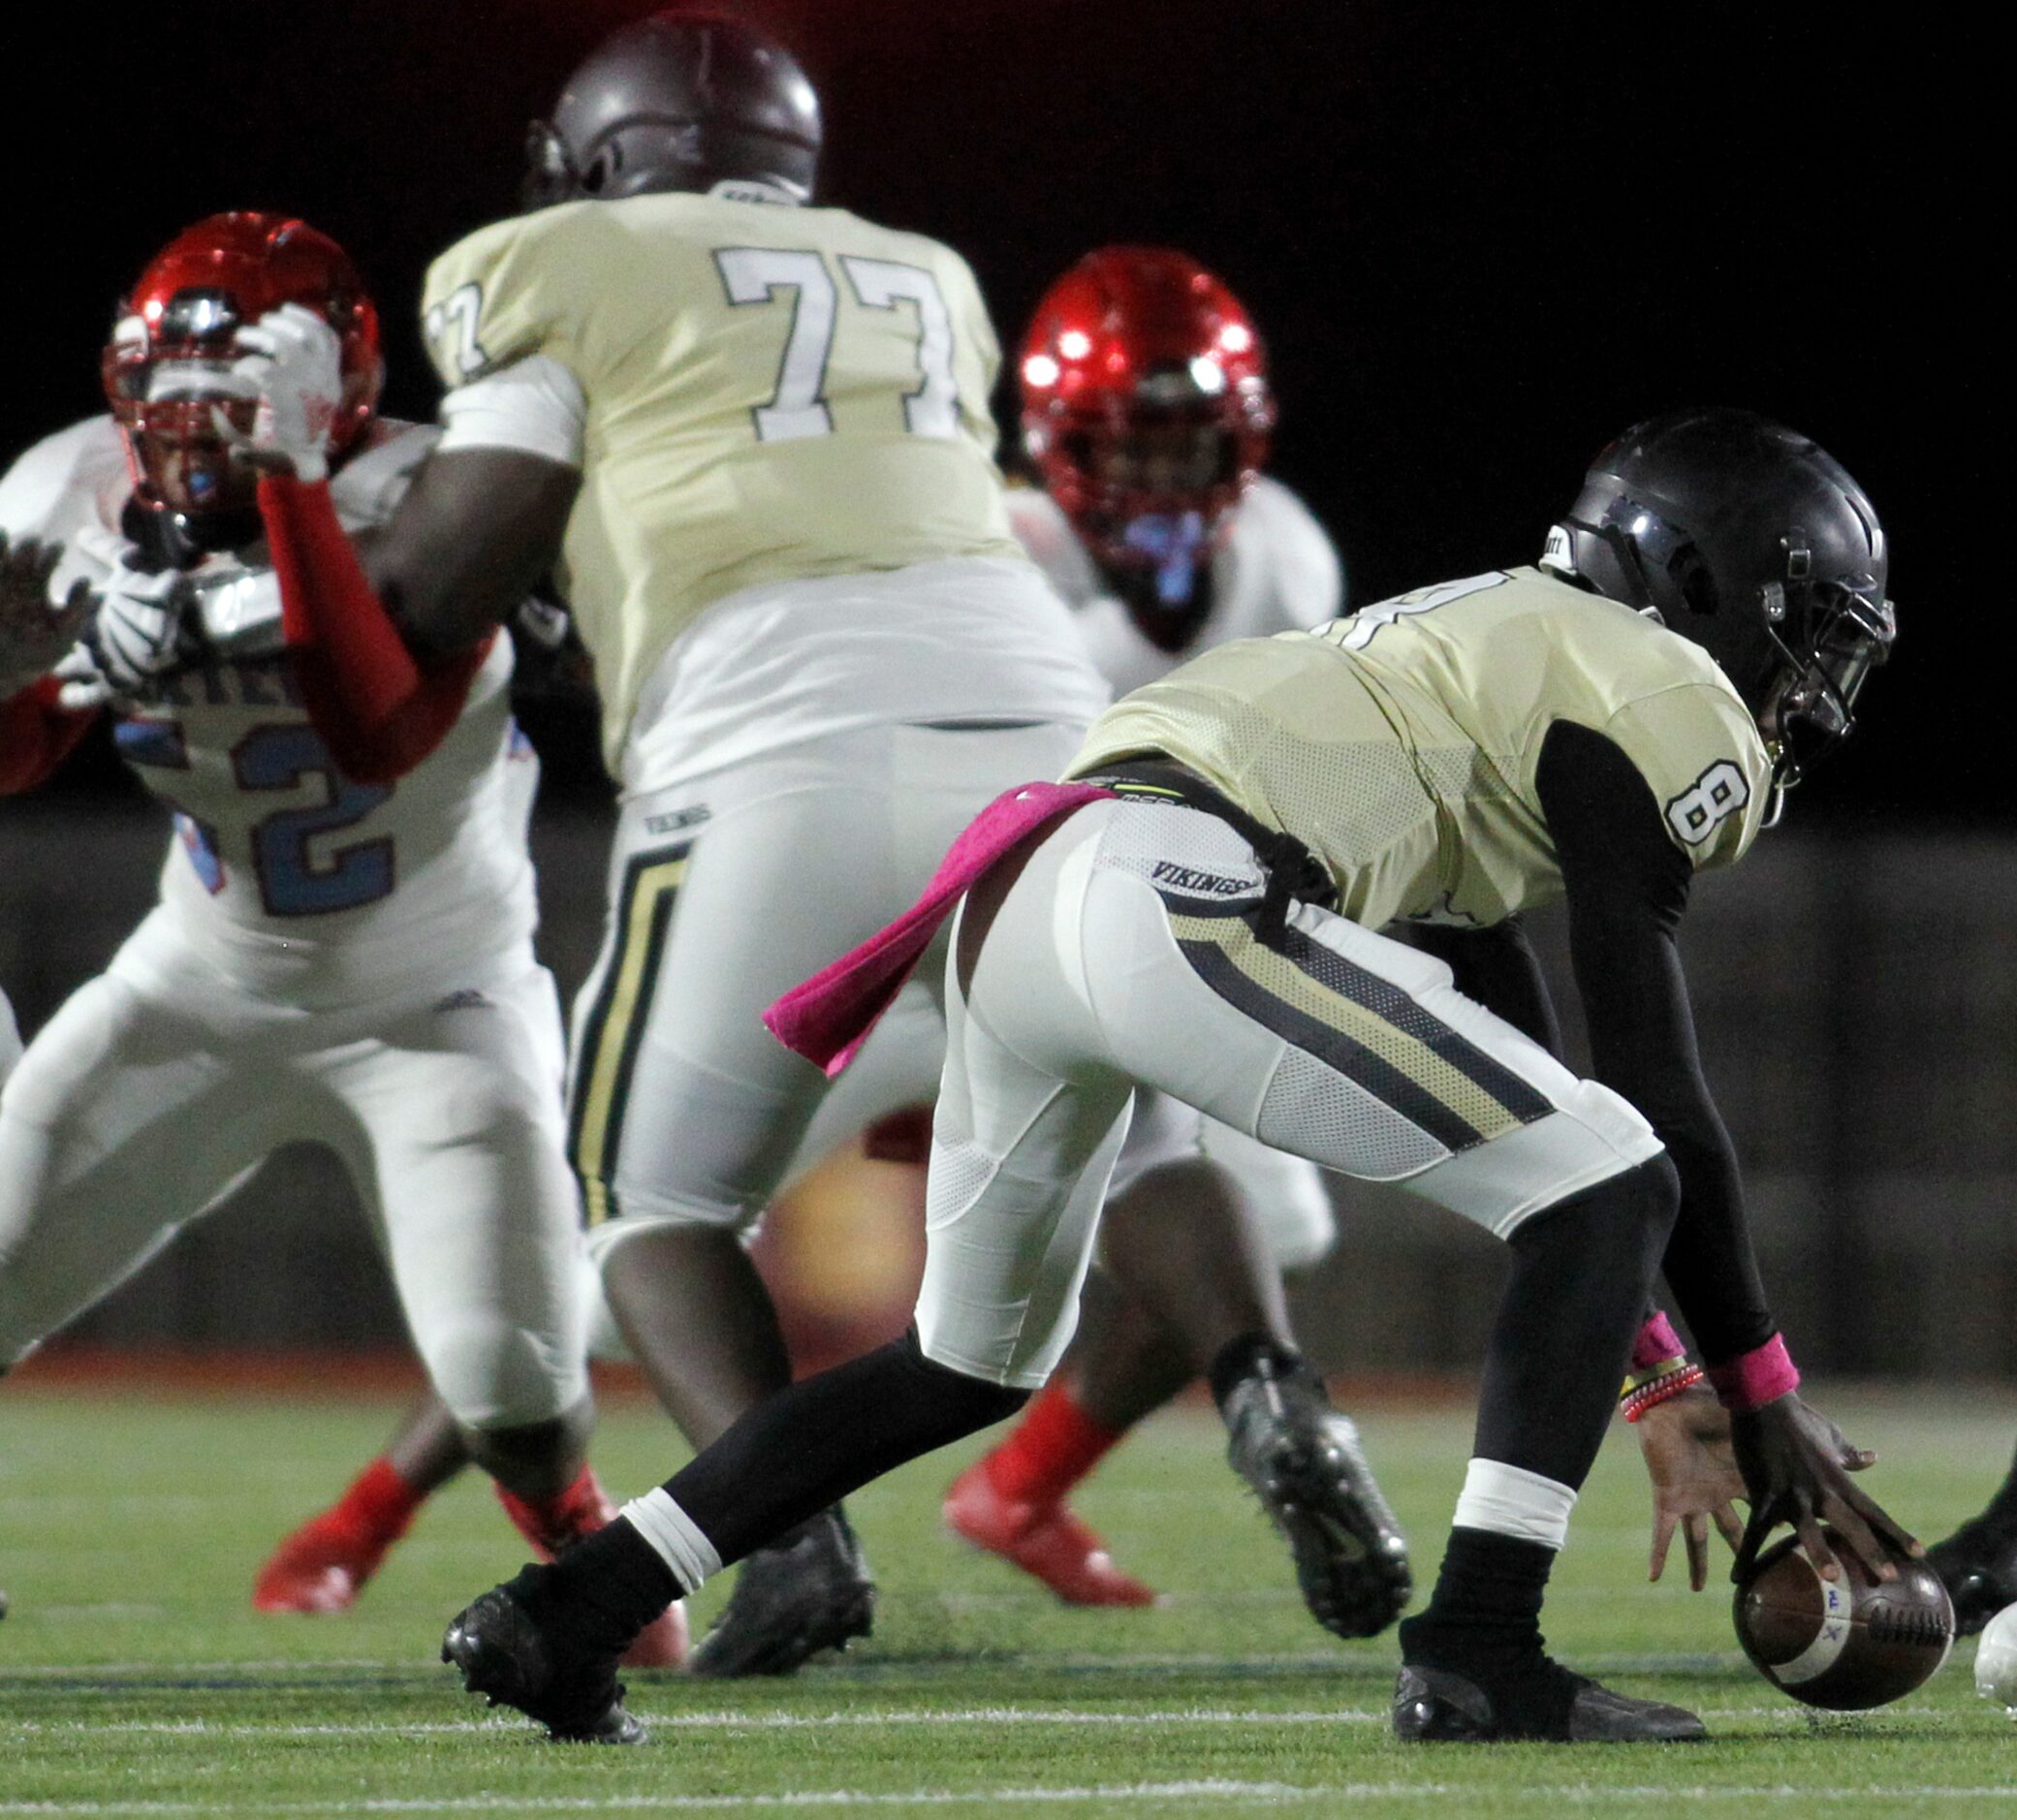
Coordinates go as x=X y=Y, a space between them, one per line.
x=828 y=1018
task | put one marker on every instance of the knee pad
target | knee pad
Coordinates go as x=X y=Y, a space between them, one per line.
x=606 y=1238
x=492 y=1375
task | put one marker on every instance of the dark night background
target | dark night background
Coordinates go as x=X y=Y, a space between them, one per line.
x=1480 y=241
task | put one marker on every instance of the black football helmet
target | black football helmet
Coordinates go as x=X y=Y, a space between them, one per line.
x=682 y=100
x=1755 y=543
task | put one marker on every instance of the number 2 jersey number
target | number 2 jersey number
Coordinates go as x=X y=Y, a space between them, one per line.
x=294 y=878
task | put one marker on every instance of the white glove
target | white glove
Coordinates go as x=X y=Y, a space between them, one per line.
x=297 y=363
x=136 y=635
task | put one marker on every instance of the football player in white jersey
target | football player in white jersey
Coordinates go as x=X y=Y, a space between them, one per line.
x=338 y=956
x=1146 y=414
x=1198 y=909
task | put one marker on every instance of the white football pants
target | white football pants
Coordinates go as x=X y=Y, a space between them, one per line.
x=724 y=892
x=1346 y=1047
x=139 y=1107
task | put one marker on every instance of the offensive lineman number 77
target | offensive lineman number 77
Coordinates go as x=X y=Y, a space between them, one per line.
x=797 y=406
x=759 y=274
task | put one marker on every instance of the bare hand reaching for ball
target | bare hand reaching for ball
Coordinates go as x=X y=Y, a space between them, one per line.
x=1685 y=1443
x=1796 y=1464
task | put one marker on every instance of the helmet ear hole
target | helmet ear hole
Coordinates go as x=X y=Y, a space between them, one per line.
x=602 y=170
x=1697 y=585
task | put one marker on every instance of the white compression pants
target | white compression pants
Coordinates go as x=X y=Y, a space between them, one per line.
x=1336 y=1043
x=724 y=892
x=899 y=1066
x=141 y=1104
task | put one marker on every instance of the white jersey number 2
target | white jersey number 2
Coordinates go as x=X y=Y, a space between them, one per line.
x=797 y=406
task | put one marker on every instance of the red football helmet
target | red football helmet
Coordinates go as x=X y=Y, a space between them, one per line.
x=169 y=363
x=1144 y=400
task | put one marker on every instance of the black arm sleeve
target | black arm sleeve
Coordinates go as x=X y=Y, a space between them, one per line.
x=1496 y=967
x=1627 y=886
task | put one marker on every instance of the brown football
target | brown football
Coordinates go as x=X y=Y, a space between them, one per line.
x=1847 y=1644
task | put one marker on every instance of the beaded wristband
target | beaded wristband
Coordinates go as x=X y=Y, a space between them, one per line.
x=1663 y=1389
x=1635 y=1379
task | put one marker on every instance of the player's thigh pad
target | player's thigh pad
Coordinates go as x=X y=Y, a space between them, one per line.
x=128 y=1115
x=457 y=1145
x=1291 y=1205
x=724 y=894
x=1331 y=1040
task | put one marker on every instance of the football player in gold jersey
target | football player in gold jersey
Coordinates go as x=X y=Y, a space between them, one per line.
x=752 y=438
x=1198 y=913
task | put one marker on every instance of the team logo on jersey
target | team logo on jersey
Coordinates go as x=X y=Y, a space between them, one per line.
x=1188 y=878
x=1712 y=798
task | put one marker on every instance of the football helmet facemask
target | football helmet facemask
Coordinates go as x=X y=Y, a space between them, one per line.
x=169 y=365
x=1755 y=543
x=684 y=100
x=1146 y=410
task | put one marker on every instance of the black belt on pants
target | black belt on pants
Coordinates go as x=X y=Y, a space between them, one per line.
x=1293 y=872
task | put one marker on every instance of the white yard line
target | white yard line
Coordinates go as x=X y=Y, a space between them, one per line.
x=1273 y=1794
x=731 y=1721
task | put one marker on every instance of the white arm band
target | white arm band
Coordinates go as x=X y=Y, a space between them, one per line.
x=534 y=405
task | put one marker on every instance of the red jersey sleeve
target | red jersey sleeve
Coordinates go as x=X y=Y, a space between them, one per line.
x=377 y=708
x=36 y=734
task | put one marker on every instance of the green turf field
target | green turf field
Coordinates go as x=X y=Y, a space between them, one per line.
x=136 y=1680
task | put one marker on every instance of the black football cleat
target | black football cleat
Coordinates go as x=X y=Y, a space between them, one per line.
x=807 y=1591
x=508 y=1655
x=1434 y=1705
x=1304 y=1462
x=1978 y=1567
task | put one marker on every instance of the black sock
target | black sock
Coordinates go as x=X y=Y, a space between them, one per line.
x=1486 y=1611
x=605 y=1589
x=1240 y=1359
x=797 y=1453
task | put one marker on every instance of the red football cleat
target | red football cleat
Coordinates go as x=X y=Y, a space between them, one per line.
x=1044 y=1540
x=321 y=1567
x=579 y=1511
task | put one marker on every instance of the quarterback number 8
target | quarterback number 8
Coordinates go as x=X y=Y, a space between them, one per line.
x=1712 y=798
x=798 y=404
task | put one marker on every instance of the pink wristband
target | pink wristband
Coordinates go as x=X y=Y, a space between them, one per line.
x=1754 y=1378
x=1657 y=1341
